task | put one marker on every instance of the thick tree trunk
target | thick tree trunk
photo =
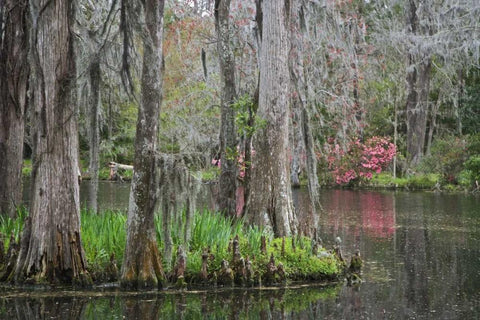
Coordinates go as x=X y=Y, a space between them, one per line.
x=94 y=133
x=51 y=247
x=300 y=102
x=142 y=267
x=227 y=181
x=418 y=89
x=417 y=106
x=270 y=199
x=13 y=93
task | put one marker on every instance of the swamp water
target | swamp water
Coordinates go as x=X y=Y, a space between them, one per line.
x=421 y=254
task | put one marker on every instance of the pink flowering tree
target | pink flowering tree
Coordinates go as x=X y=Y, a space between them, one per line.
x=360 y=160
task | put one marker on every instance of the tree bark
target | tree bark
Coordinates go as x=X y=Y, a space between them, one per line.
x=433 y=122
x=142 y=268
x=94 y=133
x=227 y=181
x=14 y=72
x=299 y=78
x=51 y=248
x=270 y=199
x=418 y=89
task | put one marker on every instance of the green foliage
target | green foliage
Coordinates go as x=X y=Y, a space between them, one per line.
x=472 y=169
x=300 y=263
x=473 y=144
x=446 y=158
x=27 y=168
x=102 y=235
x=423 y=181
x=9 y=226
x=414 y=182
x=245 y=118
x=470 y=103
x=214 y=231
x=209 y=174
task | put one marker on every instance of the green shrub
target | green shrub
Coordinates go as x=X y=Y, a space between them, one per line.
x=473 y=146
x=446 y=157
x=423 y=181
x=472 y=166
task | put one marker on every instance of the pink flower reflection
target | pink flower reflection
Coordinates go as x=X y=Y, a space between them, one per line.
x=354 y=213
x=378 y=215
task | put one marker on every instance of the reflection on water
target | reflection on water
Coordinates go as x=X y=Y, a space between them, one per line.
x=273 y=303
x=111 y=195
x=421 y=253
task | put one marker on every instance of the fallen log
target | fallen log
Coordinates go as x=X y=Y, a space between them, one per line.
x=114 y=167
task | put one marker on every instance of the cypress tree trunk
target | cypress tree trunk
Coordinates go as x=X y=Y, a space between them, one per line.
x=142 y=268
x=51 y=246
x=418 y=89
x=227 y=182
x=13 y=93
x=270 y=199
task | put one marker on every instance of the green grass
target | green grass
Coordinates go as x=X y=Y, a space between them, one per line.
x=9 y=226
x=413 y=182
x=104 y=234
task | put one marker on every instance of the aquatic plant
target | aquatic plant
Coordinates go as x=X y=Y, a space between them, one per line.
x=9 y=226
x=104 y=239
x=103 y=234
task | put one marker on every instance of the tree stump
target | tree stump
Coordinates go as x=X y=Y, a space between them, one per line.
x=226 y=276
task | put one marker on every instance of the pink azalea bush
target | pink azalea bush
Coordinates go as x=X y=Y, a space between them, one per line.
x=360 y=160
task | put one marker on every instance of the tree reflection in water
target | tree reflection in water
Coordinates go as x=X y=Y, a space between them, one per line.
x=421 y=261
x=274 y=303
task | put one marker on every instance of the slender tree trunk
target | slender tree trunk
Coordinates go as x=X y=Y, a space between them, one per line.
x=51 y=247
x=227 y=182
x=13 y=94
x=142 y=267
x=433 y=123
x=94 y=138
x=458 y=106
x=395 y=136
x=270 y=200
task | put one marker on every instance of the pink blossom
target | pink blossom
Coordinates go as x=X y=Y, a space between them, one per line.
x=359 y=159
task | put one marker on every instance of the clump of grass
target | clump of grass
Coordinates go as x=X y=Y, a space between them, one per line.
x=9 y=226
x=300 y=263
x=214 y=231
x=103 y=234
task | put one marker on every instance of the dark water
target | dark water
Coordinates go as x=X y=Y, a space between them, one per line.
x=421 y=253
